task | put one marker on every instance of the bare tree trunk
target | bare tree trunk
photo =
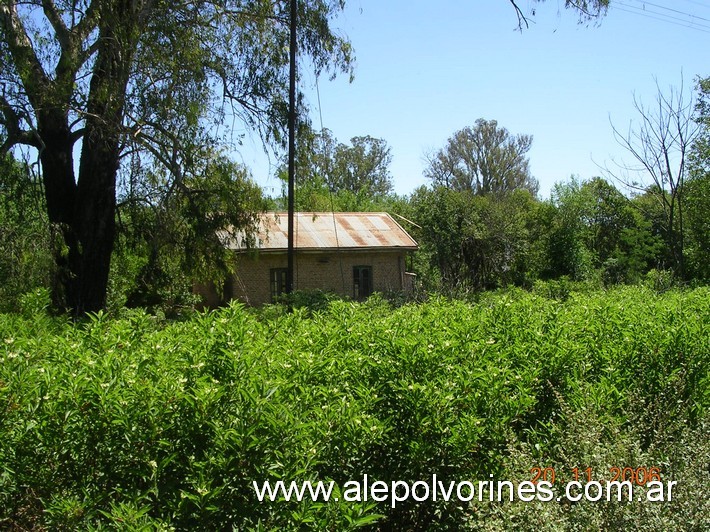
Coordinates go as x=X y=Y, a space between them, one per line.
x=84 y=215
x=60 y=194
x=94 y=220
x=94 y=223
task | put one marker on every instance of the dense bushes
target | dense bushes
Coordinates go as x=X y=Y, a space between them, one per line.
x=147 y=424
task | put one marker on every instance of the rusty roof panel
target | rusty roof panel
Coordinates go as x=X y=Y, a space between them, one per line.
x=316 y=231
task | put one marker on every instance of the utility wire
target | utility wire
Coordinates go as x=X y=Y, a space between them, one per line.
x=661 y=17
x=701 y=4
x=663 y=20
x=689 y=15
x=665 y=16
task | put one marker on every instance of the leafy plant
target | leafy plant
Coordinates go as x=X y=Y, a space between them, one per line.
x=142 y=422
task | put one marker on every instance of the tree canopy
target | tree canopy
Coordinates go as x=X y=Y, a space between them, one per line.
x=484 y=159
x=157 y=78
x=333 y=175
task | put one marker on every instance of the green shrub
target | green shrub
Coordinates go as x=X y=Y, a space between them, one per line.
x=311 y=300
x=149 y=424
x=660 y=280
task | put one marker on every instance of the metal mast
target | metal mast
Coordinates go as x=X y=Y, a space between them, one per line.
x=291 y=144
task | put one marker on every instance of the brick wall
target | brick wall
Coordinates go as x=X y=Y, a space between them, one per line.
x=332 y=272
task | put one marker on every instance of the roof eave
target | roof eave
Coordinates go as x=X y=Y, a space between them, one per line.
x=328 y=250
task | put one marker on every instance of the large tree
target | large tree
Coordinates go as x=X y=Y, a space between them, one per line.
x=362 y=166
x=485 y=159
x=103 y=78
x=475 y=242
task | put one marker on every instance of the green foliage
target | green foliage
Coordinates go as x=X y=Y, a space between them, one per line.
x=153 y=90
x=309 y=300
x=25 y=257
x=332 y=176
x=588 y=231
x=172 y=236
x=484 y=160
x=660 y=280
x=697 y=191
x=562 y=288
x=700 y=154
x=136 y=422
x=34 y=303
x=596 y=228
x=477 y=242
x=697 y=212
x=586 y=437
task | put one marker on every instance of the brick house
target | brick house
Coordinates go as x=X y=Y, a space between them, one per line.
x=346 y=253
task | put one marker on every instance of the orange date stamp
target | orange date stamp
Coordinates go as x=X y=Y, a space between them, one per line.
x=639 y=476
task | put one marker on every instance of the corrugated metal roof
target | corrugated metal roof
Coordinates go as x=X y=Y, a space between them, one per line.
x=316 y=231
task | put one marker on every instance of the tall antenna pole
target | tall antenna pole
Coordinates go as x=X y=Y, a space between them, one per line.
x=291 y=144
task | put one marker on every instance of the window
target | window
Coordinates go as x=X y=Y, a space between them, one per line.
x=362 y=282
x=278 y=282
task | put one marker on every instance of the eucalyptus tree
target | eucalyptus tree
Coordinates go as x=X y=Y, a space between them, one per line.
x=485 y=159
x=336 y=176
x=157 y=79
x=362 y=166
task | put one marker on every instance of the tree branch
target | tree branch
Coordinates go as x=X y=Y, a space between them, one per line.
x=88 y=22
x=521 y=16
x=28 y=66
x=60 y=29
x=15 y=133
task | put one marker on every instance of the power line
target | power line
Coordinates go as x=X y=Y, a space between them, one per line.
x=330 y=192
x=689 y=15
x=661 y=17
x=665 y=16
x=701 y=4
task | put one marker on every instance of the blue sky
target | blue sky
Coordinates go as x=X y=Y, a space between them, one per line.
x=427 y=69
